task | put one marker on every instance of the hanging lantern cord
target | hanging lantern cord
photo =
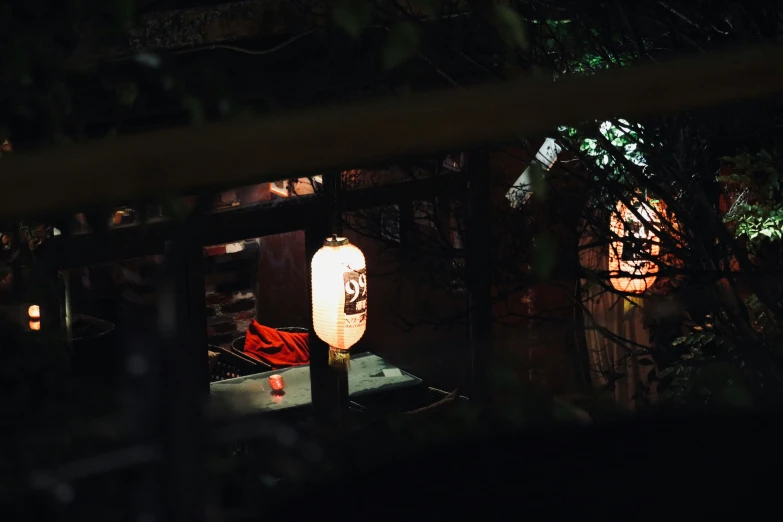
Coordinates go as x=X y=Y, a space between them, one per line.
x=337 y=221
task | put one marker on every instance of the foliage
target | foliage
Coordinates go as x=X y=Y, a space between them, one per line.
x=624 y=138
x=758 y=212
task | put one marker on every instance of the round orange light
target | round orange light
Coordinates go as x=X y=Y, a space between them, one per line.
x=34 y=312
x=35 y=326
x=629 y=275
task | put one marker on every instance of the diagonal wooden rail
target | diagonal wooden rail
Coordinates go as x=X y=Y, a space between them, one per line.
x=219 y=155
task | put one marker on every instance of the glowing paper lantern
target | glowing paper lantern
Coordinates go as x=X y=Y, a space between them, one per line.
x=339 y=293
x=629 y=271
x=34 y=312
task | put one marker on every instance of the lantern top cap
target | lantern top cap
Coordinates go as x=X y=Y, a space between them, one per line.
x=335 y=241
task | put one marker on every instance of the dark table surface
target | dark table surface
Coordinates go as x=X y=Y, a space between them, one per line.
x=368 y=374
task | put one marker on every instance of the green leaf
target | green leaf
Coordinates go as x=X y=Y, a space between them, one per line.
x=544 y=255
x=402 y=44
x=510 y=26
x=352 y=16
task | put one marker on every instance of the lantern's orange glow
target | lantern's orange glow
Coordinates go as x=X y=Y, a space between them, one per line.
x=34 y=312
x=633 y=273
x=35 y=326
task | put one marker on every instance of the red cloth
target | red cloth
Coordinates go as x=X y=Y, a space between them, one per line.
x=275 y=348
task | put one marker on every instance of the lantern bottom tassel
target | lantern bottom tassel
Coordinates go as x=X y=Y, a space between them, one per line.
x=339 y=358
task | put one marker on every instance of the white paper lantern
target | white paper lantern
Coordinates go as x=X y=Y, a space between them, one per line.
x=339 y=292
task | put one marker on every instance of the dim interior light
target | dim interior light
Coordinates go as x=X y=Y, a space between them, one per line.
x=35 y=326
x=34 y=312
x=233 y=248
x=454 y=164
x=280 y=188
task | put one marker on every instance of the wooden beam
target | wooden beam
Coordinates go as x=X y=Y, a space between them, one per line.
x=137 y=240
x=220 y=155
x=225 y=226
x=185 y=381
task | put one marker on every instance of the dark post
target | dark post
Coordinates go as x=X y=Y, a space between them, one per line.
x=182 y=321
x=43 y=287
x=479 y=235
x=328 y=385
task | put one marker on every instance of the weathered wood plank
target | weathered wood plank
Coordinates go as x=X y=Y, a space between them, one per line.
x=193 y=158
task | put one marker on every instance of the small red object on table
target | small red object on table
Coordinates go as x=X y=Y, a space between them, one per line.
x=276 y=382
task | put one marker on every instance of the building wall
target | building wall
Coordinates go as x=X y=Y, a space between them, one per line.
x=282 y=281
x=433 y=350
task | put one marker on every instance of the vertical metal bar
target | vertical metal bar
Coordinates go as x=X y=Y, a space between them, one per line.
x=328 y=385
x=42 y=287
x=186 y=374
x=141 y=350
x=479 y=243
